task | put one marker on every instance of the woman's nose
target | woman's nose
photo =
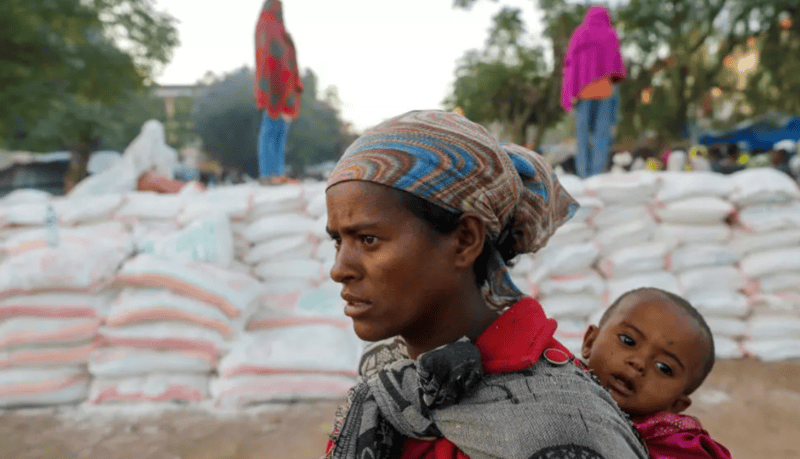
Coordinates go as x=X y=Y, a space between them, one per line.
x=342 y=269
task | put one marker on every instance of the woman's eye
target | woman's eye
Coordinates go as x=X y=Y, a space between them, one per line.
x=664 y=368
x=627 y=340
x=369 y=240
x=336 y=242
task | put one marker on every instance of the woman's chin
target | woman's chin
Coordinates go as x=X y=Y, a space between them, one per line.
x=367 y=332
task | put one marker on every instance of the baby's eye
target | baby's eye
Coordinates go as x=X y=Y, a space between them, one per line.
x=627 y=340
x=664 y=368
x=369 y=240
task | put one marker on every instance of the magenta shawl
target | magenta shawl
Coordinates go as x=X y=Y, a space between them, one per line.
x=676 y=436
x=593 y=53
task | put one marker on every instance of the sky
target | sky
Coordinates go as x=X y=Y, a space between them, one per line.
x=384 y=57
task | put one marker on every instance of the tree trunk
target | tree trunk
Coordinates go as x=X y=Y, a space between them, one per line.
x=540 y=130
x=77 y=170
x=681 y=119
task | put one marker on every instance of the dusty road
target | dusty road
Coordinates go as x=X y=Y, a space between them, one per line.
x=753 y=408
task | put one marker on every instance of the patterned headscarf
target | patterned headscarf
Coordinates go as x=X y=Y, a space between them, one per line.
x=446 y=159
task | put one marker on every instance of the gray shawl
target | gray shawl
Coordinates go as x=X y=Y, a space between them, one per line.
x=549 y=410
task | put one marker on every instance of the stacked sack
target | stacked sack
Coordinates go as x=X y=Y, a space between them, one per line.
x=54 y=290
x=562 y=275
x=150 y=213
x=693 y=210
x=179 y=312
x=767 y=239
x=283 y=241
x=307 y=352
x=236 y=203
x=630 y=255
x=298 y=344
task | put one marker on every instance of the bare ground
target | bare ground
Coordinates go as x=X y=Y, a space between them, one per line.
x=751 y=407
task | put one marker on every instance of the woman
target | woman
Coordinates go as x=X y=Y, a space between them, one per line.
x=592 y=68
x=426 y=211
x=277 y=90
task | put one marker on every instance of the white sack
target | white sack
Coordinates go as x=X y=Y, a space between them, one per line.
x=682 y=185
x=635 y=259
x=762 y=185
x=695 y=211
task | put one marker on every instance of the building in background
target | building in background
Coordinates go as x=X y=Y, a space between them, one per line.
x=178 y=107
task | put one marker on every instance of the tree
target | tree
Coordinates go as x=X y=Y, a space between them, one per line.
x=317 y=134
x=67 y=65
x=522 y=88
x=775 y=83
x=227 y=120
x=505 y=82
x=676 y=52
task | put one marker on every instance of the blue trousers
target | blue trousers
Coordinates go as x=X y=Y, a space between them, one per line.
x=593 y=121
x=272 y=146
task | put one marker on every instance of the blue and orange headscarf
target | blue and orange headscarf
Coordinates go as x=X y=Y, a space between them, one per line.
x=446 y=159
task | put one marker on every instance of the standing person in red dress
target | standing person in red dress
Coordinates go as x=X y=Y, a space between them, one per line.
x=277 y=89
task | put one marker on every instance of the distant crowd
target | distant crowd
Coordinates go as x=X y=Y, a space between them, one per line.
x=725 y=158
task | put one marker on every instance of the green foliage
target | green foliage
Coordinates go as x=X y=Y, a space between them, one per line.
x=69 y=67
x=508 y=81
x=776 y=83
x=675 y=50
x=227 y=120
x=58 y=54
x=678 y=47
x=317 y=135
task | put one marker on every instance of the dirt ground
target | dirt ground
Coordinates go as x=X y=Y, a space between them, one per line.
x=751 y=407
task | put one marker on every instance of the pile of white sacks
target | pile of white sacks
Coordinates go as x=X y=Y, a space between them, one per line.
x=223 y=296
x=217 y=295
x=728 y=244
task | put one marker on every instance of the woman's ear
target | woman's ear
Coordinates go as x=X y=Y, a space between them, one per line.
x=471 y=234
x=680 y=404
x=588 y=341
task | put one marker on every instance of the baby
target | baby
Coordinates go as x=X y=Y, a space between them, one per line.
x=652 y=349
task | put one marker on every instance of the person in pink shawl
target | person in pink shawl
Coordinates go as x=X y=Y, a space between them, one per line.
x=651 y=350
x=592 y=68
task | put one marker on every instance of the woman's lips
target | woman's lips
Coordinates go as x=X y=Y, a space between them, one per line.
x=354 y=309
x=355 y=306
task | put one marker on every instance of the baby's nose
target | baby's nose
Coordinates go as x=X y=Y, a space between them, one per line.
x=637 y=363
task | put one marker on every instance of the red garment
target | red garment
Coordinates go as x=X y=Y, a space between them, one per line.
x=676 y=436
x=277 y=81
x=152 y=181
x=512 y=342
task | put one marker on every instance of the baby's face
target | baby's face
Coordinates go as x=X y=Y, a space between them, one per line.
x=647 y=354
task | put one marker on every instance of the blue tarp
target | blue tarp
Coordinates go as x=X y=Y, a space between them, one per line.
x=758 y=136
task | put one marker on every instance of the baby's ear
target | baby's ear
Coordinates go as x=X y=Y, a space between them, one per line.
x=680 y=404
x=588 y=341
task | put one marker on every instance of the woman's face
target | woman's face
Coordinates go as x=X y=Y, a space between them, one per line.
x=397 y=274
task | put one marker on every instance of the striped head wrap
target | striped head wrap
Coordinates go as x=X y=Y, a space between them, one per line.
x=446 y=159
